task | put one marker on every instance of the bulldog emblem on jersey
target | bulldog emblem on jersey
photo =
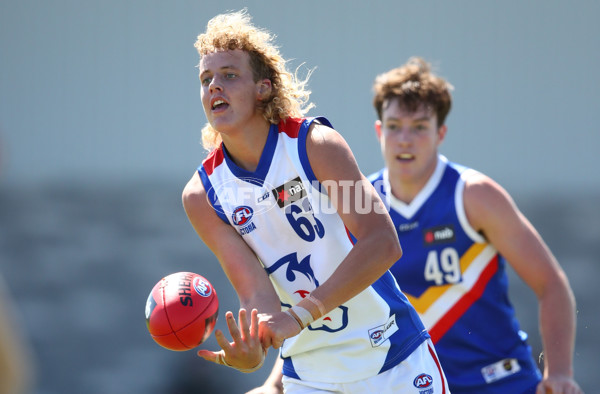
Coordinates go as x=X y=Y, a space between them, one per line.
x=290 y=268
x=289 y=192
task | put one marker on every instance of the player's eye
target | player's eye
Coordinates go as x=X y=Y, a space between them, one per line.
x=421 y=127
x=230 y=75
x=391 y=126
x=205 y=81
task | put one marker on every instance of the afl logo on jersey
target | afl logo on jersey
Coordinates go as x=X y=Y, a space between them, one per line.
x=242 y=215
x=423 y=381
x=202 y=287
x=377 y=335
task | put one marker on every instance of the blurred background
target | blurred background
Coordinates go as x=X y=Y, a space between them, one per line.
x=100 y=121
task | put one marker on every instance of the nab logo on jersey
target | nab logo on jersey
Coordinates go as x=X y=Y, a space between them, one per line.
x=289 y=192
x=242 y=215
x=423 y=381
x=439 y=235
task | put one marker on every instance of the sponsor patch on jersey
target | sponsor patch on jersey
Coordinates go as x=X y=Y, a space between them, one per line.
x=423 y=382
x=242 y=215
x=264 y=197
x=289 y=192
x=380 y=334
x=202 y=288
x=439 y=235
x=500 y=369
x=407 y=226
x=247 y=229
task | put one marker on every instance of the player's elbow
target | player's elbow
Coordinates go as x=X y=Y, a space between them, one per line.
x=390 y=247
x=557 y=284
x=191 y=197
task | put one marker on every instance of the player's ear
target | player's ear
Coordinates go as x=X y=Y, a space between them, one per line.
x=442 y=133
x=378 y=128
x=263 y=89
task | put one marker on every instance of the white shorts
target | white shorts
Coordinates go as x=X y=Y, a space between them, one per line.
x=419 y=373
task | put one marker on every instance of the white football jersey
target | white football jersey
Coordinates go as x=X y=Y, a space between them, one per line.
x=284 y=214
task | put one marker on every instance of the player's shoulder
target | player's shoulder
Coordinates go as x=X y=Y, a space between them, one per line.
x=193 y=192
x=479 y=183
x=484 y=196
x=329 y=155
x=321 y=132
x=326 y=142
x=472 y=178
x=325 y=146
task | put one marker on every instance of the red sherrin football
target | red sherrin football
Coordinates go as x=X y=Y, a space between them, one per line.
x=181 y=311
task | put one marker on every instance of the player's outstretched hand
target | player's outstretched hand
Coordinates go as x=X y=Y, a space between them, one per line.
x=273 y=329
x=558 y=385
x=245 y=352
x=266 y=389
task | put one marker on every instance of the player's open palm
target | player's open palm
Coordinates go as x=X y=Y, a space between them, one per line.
x=558 y=385
x=245 y=353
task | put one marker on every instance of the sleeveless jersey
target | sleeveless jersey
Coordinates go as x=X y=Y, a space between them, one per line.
x=284 y=214
x=457 y=283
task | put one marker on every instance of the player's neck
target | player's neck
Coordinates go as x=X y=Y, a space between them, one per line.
x=404 y=191
x=405 y=187
x=245 y=148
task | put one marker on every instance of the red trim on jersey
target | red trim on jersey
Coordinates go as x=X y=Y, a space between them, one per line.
x=290 y=126
x=213 y=160
x=348 y=234
x=442 y=326
x=437 y=362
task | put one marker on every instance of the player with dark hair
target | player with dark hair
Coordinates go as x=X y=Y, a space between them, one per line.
x=462 y=228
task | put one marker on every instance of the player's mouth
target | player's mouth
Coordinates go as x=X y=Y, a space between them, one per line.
x=404 y=157
x=218 y=105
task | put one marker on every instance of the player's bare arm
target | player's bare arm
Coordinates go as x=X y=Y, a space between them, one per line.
x=492 y=212
x=245 y=272
x=239 y=262
x=334 y=165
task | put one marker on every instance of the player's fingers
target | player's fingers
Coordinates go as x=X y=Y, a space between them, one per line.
x=254 y=323
x=208 y=355
x=221 y=359
x=571 y=387
x=222 y=340
x=264 y=338
x=544 y=388
x=268 y=338
x=233 y=328
x=540 y=388
x=243 y=323
x=215 y=357
x=276 y=343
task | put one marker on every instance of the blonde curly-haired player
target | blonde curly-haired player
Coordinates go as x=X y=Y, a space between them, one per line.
x=275 y=200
